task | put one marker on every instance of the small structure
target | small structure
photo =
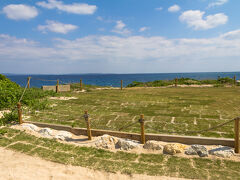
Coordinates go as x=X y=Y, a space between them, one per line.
x=61 y=88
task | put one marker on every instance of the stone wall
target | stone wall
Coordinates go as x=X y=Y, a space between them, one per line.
x=49 y=88
x=62 y=88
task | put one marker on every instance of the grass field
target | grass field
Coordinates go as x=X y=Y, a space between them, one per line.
x=165 y=109
x=127 y=163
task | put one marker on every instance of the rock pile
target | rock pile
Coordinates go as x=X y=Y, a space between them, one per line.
x=196 y=149
x=47 y=132
x=63 y=135
x=222 y=151
x=126 y=144
x=174 y=148
x=111 y=142
x=153 y=145
x=106 y=142
x=31 y=127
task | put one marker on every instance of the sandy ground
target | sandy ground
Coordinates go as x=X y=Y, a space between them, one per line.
x=63 y=98
x=18 y=166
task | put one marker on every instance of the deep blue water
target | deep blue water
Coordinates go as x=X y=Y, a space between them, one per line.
x=113 y=79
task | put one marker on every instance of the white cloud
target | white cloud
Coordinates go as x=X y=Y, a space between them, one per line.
x=232 y=35
x=159 y=9
x=130 y=52
x=20 y=11
x=174 y=8
x=195 y=19
x=75 y=8
x=142 y=29
x=120 y=28
x=217 y=3
x=57 y=27
x=134 y=47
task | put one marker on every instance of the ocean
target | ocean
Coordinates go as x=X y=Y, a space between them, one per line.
x=112 y=79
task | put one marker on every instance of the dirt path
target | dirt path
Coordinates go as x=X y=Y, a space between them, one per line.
x=18 y=166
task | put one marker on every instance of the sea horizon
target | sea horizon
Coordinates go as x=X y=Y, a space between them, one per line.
x=118 y=73
x=113 y=79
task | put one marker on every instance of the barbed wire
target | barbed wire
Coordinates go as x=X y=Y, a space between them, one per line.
x=127 y=126
x=23 y=93
x=200 y=131
x=42 y=79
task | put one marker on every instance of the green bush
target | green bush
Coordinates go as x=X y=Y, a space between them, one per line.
x=136 y=84
x=9 y=118
x=225 y=80
x=10 y=93
x=182 y=81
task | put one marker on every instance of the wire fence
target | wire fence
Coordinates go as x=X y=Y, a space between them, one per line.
x=179 y=132
x=135 y=122
x=141 y=120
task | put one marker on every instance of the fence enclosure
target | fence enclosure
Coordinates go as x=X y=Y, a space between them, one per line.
x=142 y=137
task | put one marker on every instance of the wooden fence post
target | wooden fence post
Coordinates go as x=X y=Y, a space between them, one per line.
x=19 y=113
x=80 y=84
x=121 y=84
x=57 y=87
x=141 y=120
x=236 y=143
x=176 y=82
x=28 y=83
x=89 y=133
x=234 y=80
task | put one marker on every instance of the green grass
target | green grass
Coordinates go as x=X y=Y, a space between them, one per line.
x=193 y=109
x=127 y=163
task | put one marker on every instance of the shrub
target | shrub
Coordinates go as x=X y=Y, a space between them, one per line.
x=10 y=93
x=225 y=80
x=9 y=118
x=186 y=81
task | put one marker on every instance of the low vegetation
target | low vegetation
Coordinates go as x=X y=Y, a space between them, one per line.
x=127 y=163
x=165 y=110
x=183 y=81
x=86 y=87
x=10 y=94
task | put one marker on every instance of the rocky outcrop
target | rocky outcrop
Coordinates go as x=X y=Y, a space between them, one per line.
x=106 y=142
x=31 y=127
x=222 y=151
x=63 y=135
x=46 y=132
x=153 y=145
x=196 y=149
x=174 y=148
x=126 y=144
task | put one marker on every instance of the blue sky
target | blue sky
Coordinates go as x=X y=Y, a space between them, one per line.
x=119 y=36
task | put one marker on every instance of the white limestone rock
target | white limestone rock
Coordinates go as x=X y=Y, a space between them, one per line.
x=197 y=149
x=106 y=141
x=174 y=148
x=126 y=144
x=222 y=151
x=63 y=135
x=46 y=132
x=153 y=145
x=31 y=127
